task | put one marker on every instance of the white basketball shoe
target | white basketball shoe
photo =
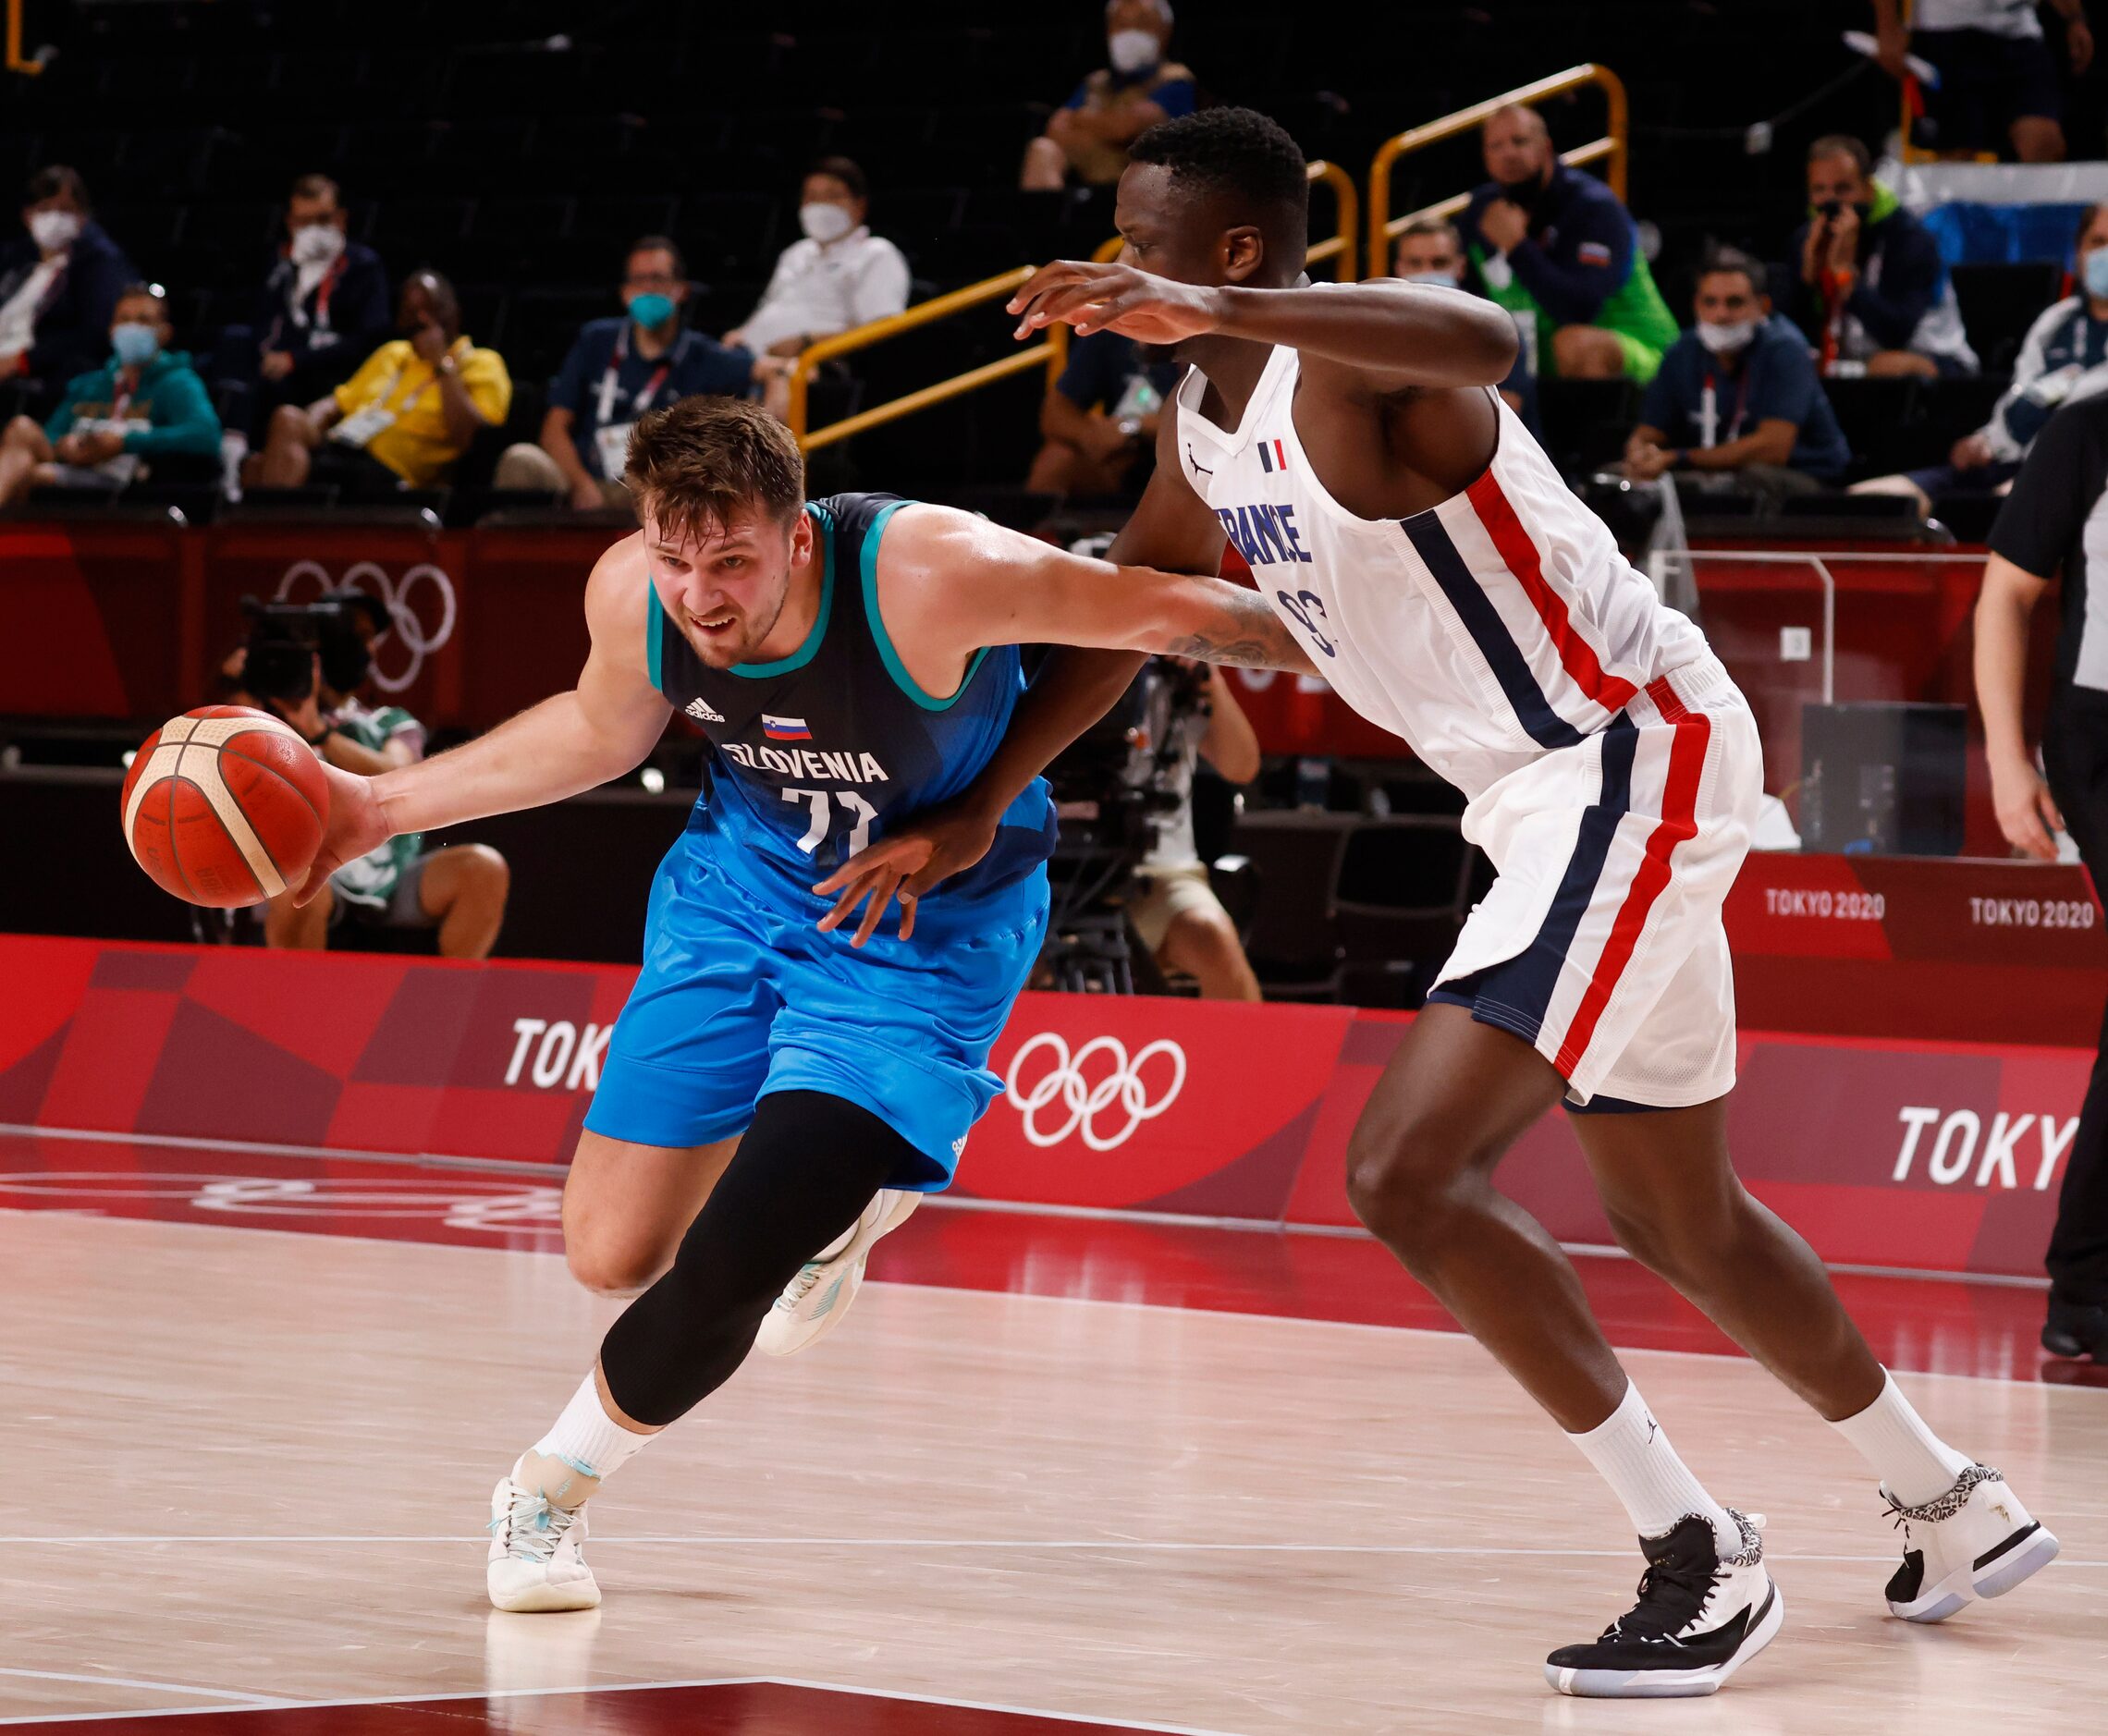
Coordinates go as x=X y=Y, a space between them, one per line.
x=1700 y=1617
x=1973 y=1541
x=537 y=1559
x=825 y=1286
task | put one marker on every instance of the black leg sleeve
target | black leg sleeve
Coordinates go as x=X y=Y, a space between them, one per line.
x=805 y=1169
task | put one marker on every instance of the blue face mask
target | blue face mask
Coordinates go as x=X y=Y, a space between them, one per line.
x=2096 y=273
x=136 y=345
x=651 y=311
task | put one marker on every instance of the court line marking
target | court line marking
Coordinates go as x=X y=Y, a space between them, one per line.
x=949 y=1202
x=258 y=1702
x=1108 y=1545
x=158 y=1687
x=1449 y=1332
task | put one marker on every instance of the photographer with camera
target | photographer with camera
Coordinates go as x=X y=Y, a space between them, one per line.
x=310 y=665
x=1173 y=908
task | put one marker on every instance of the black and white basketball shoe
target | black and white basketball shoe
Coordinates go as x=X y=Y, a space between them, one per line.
x=1973 y=1541
x=1700 y=1617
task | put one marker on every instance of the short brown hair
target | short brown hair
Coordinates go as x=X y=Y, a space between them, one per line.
x=316 y=187
x=1842 y=144
x=696 y=464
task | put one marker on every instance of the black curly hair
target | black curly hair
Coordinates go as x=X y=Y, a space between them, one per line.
x=1239 y=154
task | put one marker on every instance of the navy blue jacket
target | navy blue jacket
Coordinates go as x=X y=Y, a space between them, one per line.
x=73 y=326
x=1773 y=380
x=357 y=321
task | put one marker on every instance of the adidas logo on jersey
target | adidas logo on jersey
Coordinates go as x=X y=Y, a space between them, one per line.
x=704 y=711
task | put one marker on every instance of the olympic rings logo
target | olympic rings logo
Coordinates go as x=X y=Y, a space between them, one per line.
x=407 y=633
x=1064 y=1084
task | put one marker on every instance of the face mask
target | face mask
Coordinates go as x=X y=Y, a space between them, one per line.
x=2096 y=273
x=1441 y=279
x=1132 y=51
x=317 y=244
x=54 y=229
x=1725 y=339
x=136 y=345
x=825 y=223
x=651 y=311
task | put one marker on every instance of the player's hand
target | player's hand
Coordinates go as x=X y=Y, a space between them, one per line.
x=356 y=824
x=2027 y=811
x=276 y=364
x=905 y=864
x=2078 y=42
x=1505 y=225
x=1115 y=298
x=1891 y=45
x=429 y=341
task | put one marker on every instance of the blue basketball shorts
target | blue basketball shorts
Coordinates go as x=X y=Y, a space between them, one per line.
x=741 y=996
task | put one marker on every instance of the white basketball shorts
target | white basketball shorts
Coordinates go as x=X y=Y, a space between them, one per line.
x=1600 y=943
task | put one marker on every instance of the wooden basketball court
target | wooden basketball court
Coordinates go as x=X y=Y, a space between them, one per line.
x=1059 y=1474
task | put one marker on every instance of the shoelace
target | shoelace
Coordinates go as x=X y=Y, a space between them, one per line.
x=534 y=1528
x=801 y=1287
x=1672 y=1597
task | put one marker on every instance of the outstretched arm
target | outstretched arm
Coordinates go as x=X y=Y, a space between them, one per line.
x=952 y=583
x=1391 y=336
x=573 y=741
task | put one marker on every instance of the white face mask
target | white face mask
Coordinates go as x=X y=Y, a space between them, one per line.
x=825 y=223
x=1725 y=339
x=317 y=244
x=54 y=229
x=1131 y=51
x=1441 y=279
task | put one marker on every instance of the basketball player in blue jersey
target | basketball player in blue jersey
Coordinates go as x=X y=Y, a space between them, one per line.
x=778 y=1093
x=1446 y=582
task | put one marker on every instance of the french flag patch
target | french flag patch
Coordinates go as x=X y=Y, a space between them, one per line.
x=785 y=729
x=1593 y=253
x=1273 y=456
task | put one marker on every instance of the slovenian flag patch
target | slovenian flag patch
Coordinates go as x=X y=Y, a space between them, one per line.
x=785 y=729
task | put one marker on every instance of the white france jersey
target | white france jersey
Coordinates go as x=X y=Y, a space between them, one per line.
x=1487 y=631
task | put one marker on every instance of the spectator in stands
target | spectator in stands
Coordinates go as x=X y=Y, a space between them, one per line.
x=144 y=411
x=2065 y=358
x=1174 y=909
x=1558 y=247
x=1998 y=83
x=840 y=275
x=1871 y=294
x=321 y=311
x=616 y=369
x=1738 y=395
x=1089 y=134
x=460 y=890
x=1430 y=251
x=2047 y=526
x=59 y=283
x=405 y=418
x=1099 y=418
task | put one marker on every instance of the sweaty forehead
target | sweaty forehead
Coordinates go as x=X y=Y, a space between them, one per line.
x=1155 y=197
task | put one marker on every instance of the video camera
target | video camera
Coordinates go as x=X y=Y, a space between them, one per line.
x=284 y=639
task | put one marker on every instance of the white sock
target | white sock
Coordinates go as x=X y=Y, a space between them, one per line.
x=1632 y=1450
x=587 y=1439
x=1913 y=1463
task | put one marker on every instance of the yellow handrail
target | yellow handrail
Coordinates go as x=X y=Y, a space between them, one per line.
x=1053 y=350
x=1049 y=354
x=1382 y=225
x=15 y=61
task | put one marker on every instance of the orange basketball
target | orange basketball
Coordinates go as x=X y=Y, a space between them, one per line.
x=226 y=806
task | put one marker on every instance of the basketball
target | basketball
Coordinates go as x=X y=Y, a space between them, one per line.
x=225 y=806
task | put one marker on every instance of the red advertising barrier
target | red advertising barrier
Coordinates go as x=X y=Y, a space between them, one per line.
x=127 y=621
x=1929 y=1156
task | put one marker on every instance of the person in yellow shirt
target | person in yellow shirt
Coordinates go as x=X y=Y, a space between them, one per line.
x=404 y=419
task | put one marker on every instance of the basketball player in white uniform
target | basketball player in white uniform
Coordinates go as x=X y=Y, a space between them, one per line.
x=1347 y=444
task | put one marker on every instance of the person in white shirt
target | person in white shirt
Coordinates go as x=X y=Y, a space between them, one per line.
x=840 y=275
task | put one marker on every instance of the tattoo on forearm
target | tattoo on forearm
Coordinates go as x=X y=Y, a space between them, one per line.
x=1248 y=634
